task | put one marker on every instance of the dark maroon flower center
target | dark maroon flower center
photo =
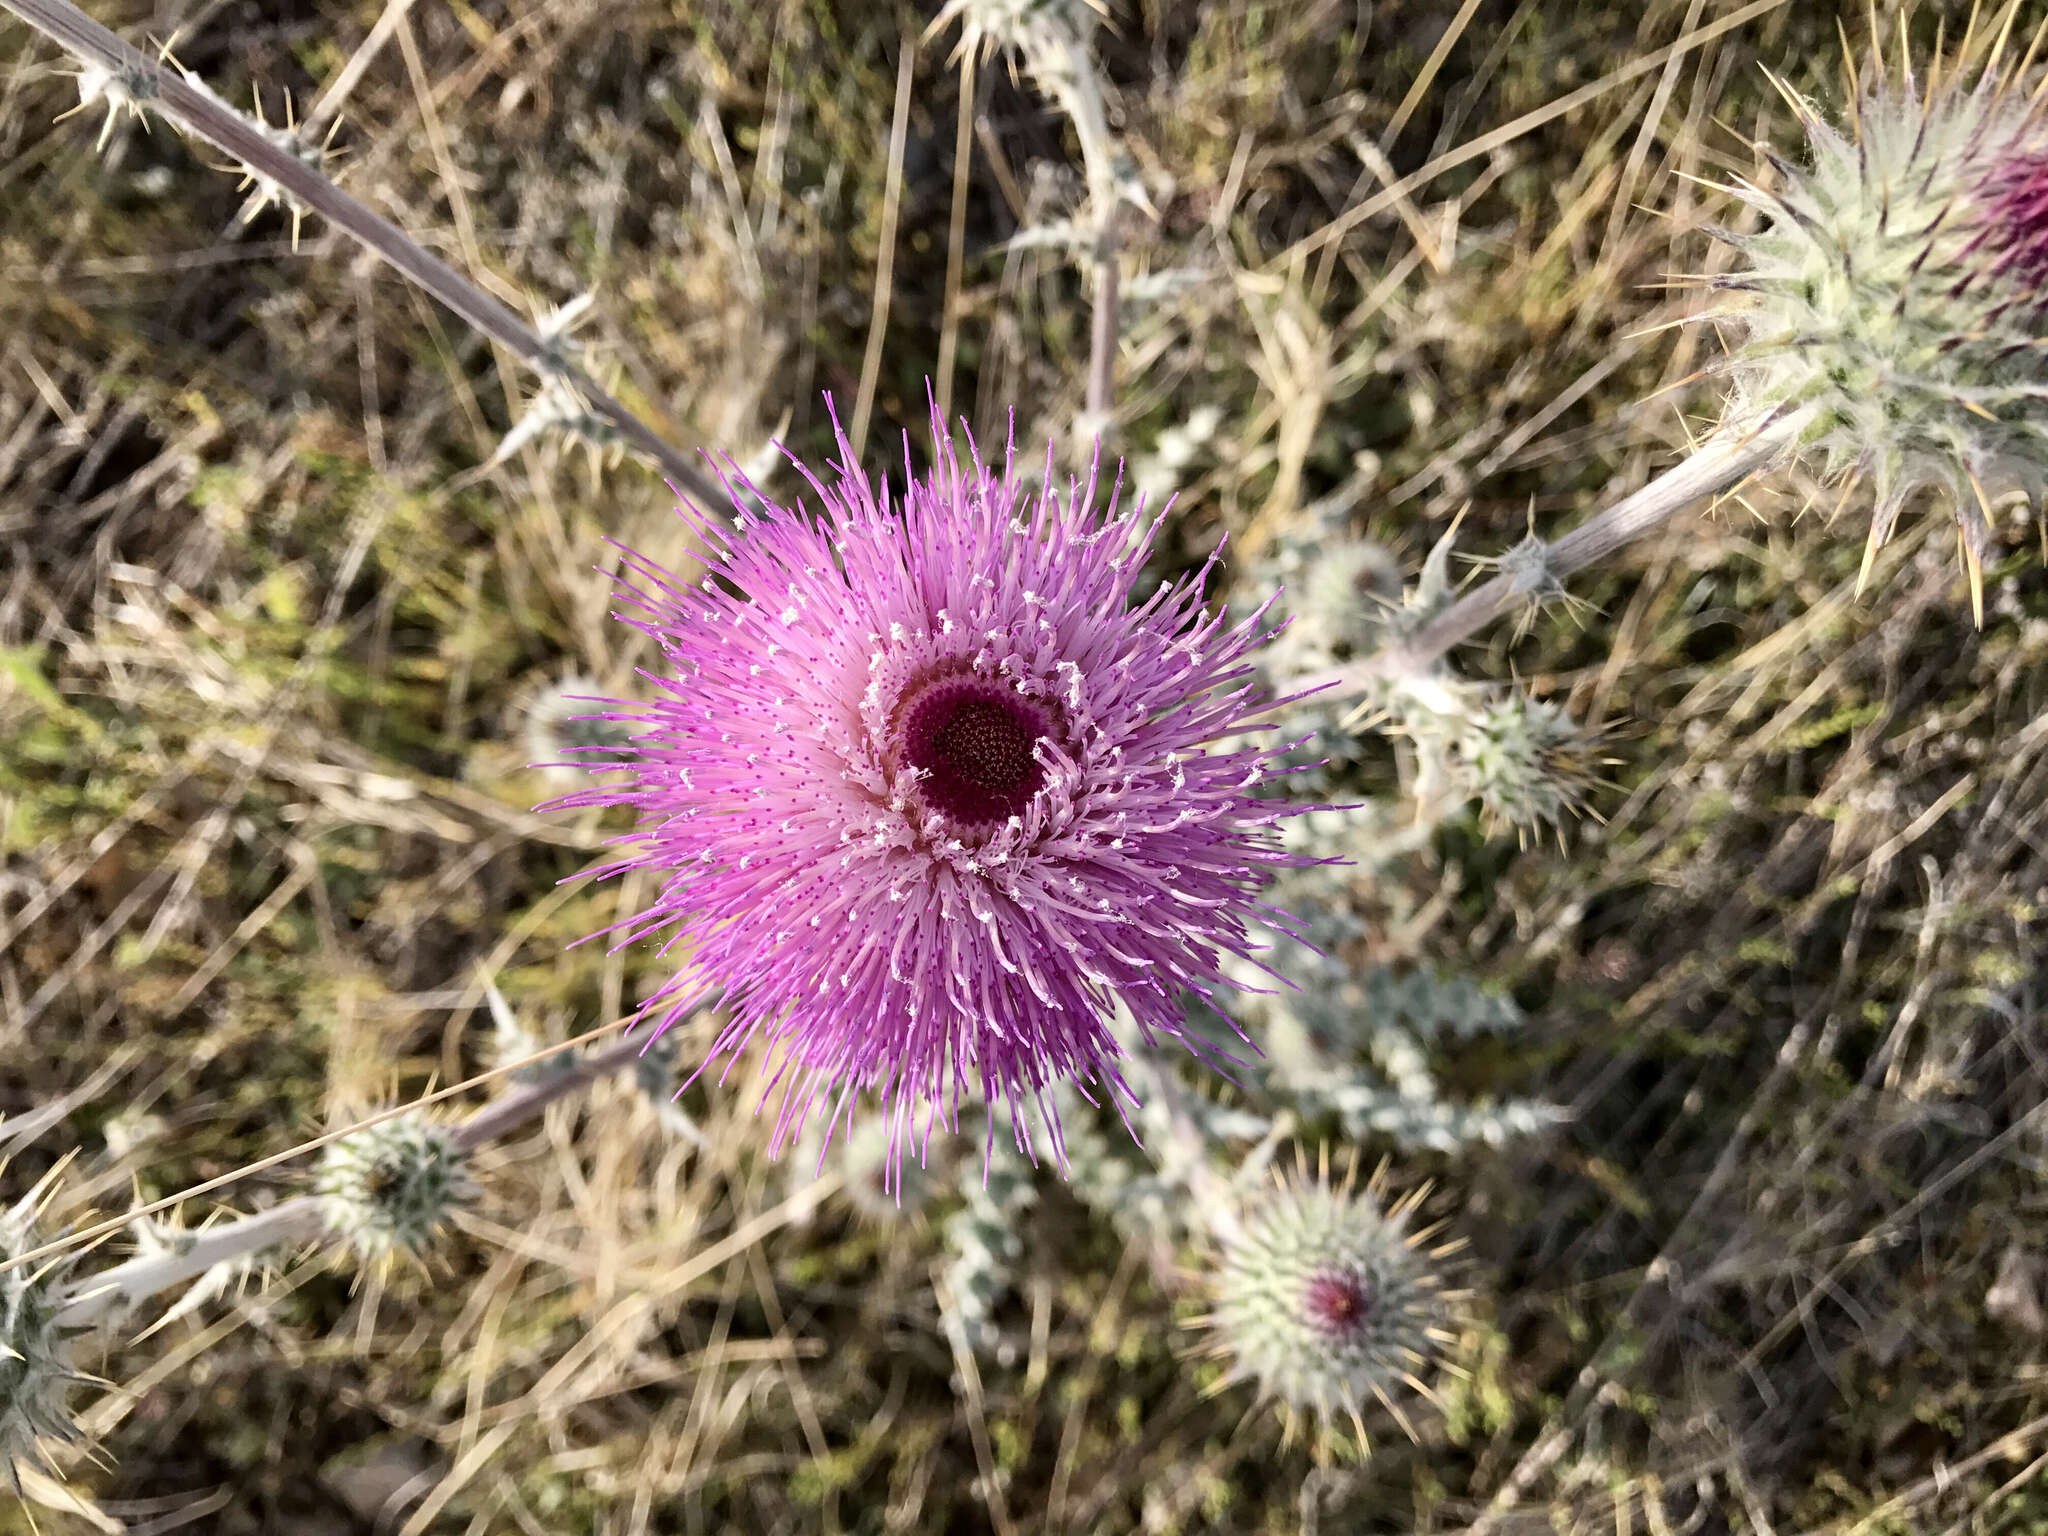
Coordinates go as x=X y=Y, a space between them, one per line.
x=976 y=742
x=2012 y=222
x=1340 y=1304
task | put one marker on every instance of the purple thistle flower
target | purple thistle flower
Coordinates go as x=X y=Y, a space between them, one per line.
x=931 y=798
x=2011 y=217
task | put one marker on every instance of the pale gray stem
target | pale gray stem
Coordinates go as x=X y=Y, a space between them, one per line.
x=1732 y=455
x=115 y=1291
x=515 y=1109
x=1102 y=330
x=112 y=1292
x=1067 y=71
x=204 y=115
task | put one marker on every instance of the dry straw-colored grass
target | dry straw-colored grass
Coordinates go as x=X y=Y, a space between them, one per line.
x=269 y=626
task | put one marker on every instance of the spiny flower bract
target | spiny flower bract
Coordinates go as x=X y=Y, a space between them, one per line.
x=1326 y=1300
x=1893 y=285
x=931 y=796
x=1527 y=761
x=35 y=1353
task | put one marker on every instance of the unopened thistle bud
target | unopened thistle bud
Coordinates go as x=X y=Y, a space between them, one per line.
x=1327 y=1301
x=1527 y=762
x=1894 y=286
x=35 y=1355
x=389 y=1188
x=570 y=730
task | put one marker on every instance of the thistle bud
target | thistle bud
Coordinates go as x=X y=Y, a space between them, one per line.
x=1326 y=1301
x=1527 y=762
x=569 y=731
x=35 y=1355
x=389 y=1188
x=1894 y=286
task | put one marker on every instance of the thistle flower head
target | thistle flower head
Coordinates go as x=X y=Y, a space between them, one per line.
x=931 y=798
x=35 y=1354
x=389 y=1188
x=1327 y=1302
x=1893 y=285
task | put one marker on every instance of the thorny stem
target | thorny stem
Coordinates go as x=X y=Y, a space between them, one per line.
x=1068 y=72
x=204 y=115
x=515 y=1109
x=99 y=1297
x=113 y=1291
x=1732 y=455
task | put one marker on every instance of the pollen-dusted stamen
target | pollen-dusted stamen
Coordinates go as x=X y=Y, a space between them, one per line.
x=975 y=741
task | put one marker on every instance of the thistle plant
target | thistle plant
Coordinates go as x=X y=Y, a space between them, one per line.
x=947 y=807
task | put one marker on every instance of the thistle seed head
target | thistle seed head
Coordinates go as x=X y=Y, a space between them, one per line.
x=1327 y=1301
x=1893 y=285
x=389 y=1188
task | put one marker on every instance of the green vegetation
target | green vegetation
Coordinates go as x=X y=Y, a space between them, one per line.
x=272 y=626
